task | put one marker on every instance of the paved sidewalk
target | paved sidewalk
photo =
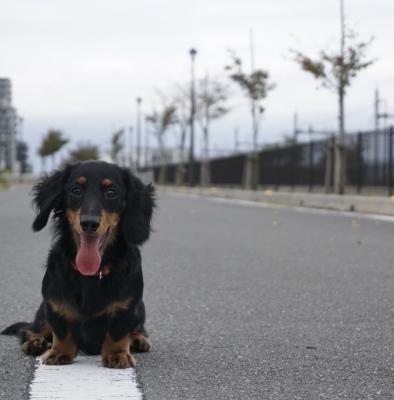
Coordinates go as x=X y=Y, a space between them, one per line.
x=357 y=203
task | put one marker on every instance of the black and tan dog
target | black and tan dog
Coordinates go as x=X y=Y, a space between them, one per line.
x=92 y=288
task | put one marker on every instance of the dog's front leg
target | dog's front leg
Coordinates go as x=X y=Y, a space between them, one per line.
x=116 y=353
x=64 y=349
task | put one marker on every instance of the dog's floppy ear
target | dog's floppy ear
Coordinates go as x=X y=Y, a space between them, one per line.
x=48 y=195
x=140 y=202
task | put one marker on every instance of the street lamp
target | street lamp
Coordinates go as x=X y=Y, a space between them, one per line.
x=147 y=150
x=192 y=53
x=138 y=129
x=130 y=147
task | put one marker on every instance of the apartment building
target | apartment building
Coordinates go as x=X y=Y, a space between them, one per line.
x=8 y=127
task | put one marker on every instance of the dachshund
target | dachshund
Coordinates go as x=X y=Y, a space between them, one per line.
x=93 y=285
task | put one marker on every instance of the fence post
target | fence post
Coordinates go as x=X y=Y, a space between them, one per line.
x=293 y=165
x=330 y=165
x=310 y=166
x=359 y=163
x=277 y=172
x=391 y=132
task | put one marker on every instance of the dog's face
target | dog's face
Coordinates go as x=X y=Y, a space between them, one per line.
x=95 y=197
x=100 y=202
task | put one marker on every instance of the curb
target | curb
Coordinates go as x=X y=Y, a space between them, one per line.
x=356 y=203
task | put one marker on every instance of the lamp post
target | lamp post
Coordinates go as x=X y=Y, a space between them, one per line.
x=192 y=53
x=138 y=129
x=131 y=147
x=148 y=154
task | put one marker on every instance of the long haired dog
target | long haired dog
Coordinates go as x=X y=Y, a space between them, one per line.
x=92 y=288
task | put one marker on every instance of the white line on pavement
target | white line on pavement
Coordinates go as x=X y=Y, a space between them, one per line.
x=85 y=379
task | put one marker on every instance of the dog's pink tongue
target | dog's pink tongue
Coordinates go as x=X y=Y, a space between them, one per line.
x=88 y=258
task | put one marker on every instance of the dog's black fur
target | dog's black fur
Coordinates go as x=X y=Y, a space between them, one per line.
x=96 y=314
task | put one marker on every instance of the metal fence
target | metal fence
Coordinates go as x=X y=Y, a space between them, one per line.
x=369 y=164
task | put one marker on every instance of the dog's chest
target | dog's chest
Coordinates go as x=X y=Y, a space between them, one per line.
x=88 y=298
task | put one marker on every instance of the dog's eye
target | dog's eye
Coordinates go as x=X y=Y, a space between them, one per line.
x=111 y=193
x=76 y=190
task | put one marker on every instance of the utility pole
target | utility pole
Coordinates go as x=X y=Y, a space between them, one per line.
x=376 y=109
x=379 y=115
x=138 y=129
x=385 y=116
x=252 y=69
x=236 y=140
x=251 y=175
x=147 y=150
x=130 y=147
x=192 y=53
x=376 y=137
x=295 y=126
x=252 y=63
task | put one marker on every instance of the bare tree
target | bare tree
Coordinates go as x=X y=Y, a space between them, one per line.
x=117 y=145
x=255 y=86
x=161 y=122
x=212 y=96
x=181 y=101
x=335 y=71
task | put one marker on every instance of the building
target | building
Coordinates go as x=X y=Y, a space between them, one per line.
x=8 y=127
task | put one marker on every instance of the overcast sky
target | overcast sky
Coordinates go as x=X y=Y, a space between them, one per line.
x=79 y=65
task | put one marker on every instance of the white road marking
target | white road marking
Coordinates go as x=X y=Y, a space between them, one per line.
x=85 y=379
x=310 y=210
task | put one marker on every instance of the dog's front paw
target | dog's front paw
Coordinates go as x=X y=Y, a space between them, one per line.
x=35 y=347
x=118 y=360
x=53 y=357
x=140 y=343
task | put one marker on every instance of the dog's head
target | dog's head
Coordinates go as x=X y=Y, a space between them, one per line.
x=99 y=202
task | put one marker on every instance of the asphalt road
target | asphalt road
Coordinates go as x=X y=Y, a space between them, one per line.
x=243 y=302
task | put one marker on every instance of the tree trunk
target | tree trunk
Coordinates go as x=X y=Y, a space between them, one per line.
x=162 y=174
x=251 y=168
x=329 y=165
x=340 y=147
x=180 y=174
x=205 y=167
x=254 y=125
x=163 y=161
x=180 y=168
x=251 y=171
x=205 y=173
x=206 y=142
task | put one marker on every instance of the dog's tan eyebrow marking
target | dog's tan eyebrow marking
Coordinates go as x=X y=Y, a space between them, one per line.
x=81 y=180
x=106 y=182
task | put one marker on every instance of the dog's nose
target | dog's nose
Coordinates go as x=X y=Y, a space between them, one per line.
x=90 y=223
